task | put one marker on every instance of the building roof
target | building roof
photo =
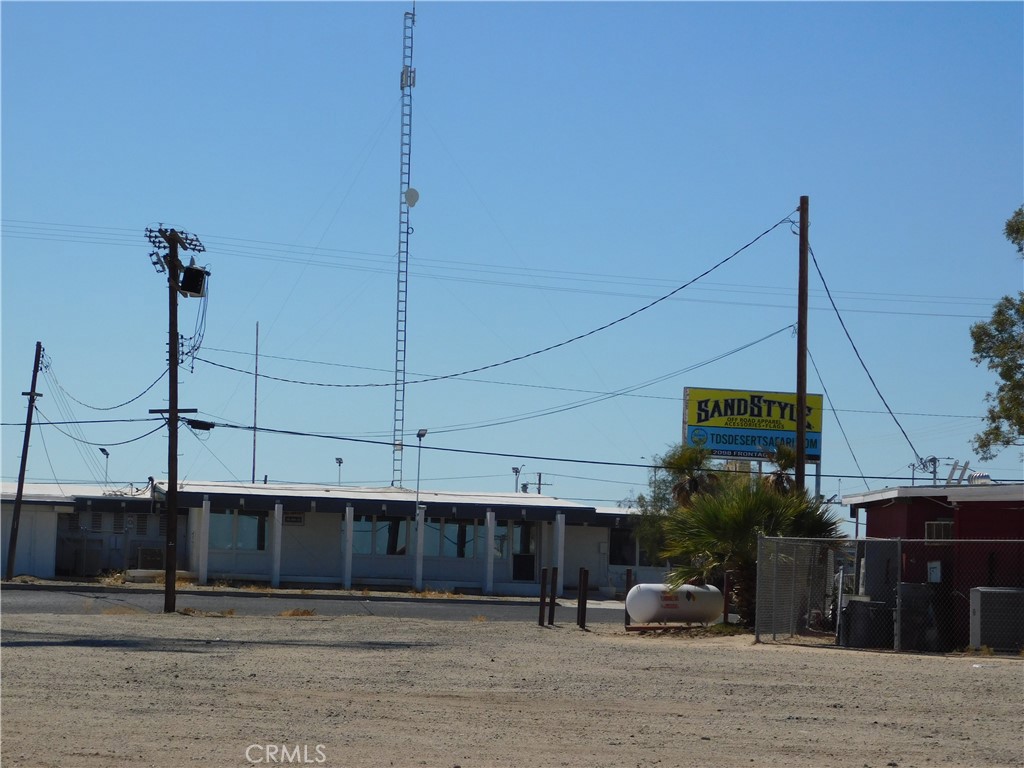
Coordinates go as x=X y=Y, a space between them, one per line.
x=299 y=496
x=988 y=492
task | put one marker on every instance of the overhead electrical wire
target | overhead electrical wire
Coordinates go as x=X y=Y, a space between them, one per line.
x=56 y=383
x=835 y=415
x=536 y=352
x=863 y=365
x=381 y=263
x=83 y=441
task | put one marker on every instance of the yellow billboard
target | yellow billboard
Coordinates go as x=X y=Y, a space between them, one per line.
x=737 y=423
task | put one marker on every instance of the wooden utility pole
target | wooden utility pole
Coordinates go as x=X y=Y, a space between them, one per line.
x=801 y=352
x=172 y=240
x=12 y=544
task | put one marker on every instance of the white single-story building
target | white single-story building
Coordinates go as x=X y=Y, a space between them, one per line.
x=348 y=537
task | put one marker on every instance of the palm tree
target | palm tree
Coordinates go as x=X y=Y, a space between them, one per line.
x=689 y=467
x=717 y=534
x=780 y=479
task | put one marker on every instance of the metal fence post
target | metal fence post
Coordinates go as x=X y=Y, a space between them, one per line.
x=899 y=599
x=775 y=587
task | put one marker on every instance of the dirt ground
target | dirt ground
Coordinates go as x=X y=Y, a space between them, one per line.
x=177 y=690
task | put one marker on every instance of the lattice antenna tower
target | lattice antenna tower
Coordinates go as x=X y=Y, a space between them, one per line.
x=407 y=199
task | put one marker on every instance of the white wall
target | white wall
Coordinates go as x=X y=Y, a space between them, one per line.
x=37 y=540
x=313 y=549
x=583 y=549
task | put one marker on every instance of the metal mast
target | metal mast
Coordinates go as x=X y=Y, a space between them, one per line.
x=406 y=200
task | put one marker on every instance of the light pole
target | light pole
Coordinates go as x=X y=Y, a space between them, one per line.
x=106 y=465
x=420 y=521
x=515 y=472
x=340 y=461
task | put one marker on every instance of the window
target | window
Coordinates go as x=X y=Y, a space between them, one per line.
x=232 y=529
x=96 y=523
x=141 y=524
x=938 y=530
x=362 y=536
x=391 y=536
x=119 y=522
x=459 y=539
x=432 y=536
x=623 y=549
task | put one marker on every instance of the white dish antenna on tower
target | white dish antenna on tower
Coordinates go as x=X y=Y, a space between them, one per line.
x=411 y=197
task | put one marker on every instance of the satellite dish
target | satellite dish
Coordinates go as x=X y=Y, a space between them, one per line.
x=411 y=196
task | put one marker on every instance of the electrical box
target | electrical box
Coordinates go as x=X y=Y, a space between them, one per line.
x=935 y=572
x=193 y=281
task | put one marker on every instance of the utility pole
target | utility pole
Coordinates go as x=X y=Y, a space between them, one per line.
x=12 y=544
x=172 y=241
x=801 y=351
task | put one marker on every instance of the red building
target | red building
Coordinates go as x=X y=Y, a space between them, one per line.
x=928 y=547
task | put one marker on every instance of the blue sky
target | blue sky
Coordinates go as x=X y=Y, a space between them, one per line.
x=575 y=162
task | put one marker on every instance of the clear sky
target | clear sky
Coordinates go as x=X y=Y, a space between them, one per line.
x=575 y=162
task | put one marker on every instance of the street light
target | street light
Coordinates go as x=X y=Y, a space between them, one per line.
x=340 y=461
x=420 y=517
x=106 y=465
x=516 y=471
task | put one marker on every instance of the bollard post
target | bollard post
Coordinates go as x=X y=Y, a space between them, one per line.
x=583 y=600
x=543 y=594
x=579 y=597
x=629 y=586
x=554 y=592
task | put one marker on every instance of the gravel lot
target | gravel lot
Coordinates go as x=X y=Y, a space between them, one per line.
x=140 y=689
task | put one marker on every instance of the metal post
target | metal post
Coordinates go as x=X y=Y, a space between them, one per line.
x=899 y=602
x=12 y=544
x=583 y=599
x=551 y=601
x=543 y=595
x=775 y=587
x=629 y=586
x=579 y=596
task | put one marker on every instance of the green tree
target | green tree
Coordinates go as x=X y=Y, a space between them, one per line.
x=691 y=471
x=652 y=509
x=999 y=344
x=1014 y=229
x=717 y=533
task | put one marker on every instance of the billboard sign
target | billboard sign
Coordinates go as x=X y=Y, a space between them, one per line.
x=734 y=423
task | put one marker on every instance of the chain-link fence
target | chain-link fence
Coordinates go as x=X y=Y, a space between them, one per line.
x=900 y=594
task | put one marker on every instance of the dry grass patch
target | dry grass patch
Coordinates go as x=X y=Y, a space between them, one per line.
x=298 y=612
x=207 y=614
x=479 y=617
x=122 y=610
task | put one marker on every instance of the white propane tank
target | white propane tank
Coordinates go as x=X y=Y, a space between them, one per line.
x=656 y=602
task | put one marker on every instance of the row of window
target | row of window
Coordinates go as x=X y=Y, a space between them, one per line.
x=247 y=531
x=237 y=530
x=137 y=523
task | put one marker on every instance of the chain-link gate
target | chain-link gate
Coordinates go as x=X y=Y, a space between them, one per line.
x=897 y=594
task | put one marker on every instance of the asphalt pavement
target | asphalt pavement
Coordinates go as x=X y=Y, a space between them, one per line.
x=85 y=598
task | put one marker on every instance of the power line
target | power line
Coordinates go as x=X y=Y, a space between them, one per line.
x=917 y=456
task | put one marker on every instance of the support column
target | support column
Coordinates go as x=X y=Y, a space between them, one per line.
x=420 y=520
x=347 y=547
x=489 y=579
x=203 y=543
x=560 y=552
x=275 y=551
